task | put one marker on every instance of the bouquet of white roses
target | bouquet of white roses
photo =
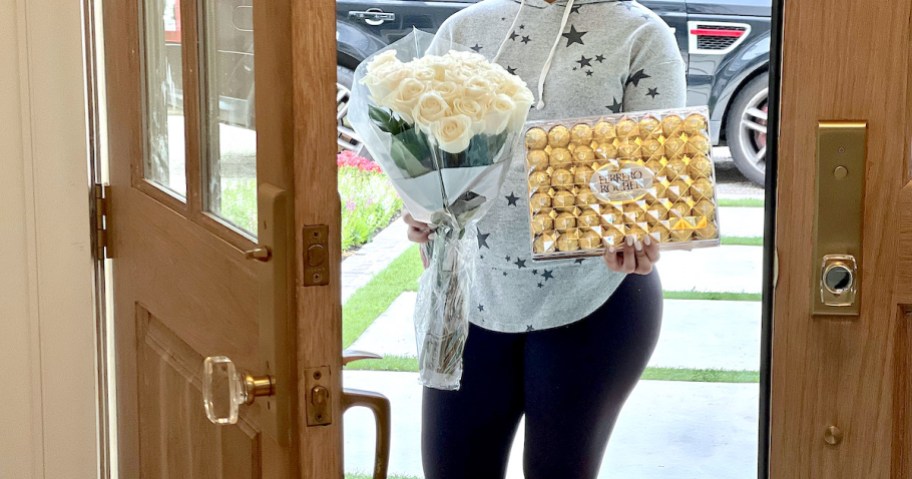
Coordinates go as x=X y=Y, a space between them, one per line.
x=443 y=128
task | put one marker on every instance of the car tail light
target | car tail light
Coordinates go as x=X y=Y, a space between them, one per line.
x=716 y=38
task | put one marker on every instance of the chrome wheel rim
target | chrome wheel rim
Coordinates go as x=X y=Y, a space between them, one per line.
x=347 y=139
x=754 y=120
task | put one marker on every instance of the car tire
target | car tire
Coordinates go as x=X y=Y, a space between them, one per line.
x=347 y=138
x=746 y=129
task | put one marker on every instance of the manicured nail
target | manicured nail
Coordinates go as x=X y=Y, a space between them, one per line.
x=630 y=241
x=639 y=246
x=612 y=249
x=432 y=236
x=648 y=240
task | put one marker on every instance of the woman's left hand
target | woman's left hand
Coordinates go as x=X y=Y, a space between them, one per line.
x=634 y=258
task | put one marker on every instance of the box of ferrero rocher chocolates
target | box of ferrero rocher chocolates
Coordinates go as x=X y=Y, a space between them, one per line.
x=595 y=181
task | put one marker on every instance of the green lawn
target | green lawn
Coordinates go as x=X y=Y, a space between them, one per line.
x=363 y=307
x=741 y=203
x=368 y=476
x=741 y=241
x=404 y=364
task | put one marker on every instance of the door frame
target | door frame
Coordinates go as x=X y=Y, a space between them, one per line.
x=49 y=343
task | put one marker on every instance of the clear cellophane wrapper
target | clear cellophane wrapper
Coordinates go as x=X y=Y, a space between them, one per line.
x=595 y=181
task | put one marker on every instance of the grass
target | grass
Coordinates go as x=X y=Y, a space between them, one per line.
x=709 y=296
x=742 y=241
x=363 y=307
x=741 y=202
x=406 y=364
x=239 y=203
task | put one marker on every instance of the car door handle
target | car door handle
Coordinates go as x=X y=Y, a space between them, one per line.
x=373 y=16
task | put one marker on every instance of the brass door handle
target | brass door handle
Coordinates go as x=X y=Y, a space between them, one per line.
x=379 y=405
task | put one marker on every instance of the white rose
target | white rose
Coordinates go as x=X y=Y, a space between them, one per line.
x=425 y=73
x=502 y=111
x=471 y=109
x=430 y=108
x=456 y=74
x=448 y=90
x=404 y=98
x=453 y=133
x=478 y=87
x=382 y=59
x=386 y=79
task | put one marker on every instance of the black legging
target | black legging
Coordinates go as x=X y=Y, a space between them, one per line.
x=570 y=382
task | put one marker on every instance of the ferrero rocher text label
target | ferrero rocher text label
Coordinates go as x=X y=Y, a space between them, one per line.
x=593 y=182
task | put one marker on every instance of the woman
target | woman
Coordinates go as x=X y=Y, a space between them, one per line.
x=562 y=343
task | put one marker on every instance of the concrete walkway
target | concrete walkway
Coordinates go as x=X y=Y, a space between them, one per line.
x=372 y=258
x=668 y=430
x=695 y=334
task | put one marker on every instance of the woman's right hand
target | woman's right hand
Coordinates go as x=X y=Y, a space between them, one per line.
x=418 y=232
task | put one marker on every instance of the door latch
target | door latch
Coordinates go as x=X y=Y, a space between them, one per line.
x=318 y=402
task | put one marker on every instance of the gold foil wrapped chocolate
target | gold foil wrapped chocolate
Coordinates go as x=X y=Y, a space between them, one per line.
x=655 y=180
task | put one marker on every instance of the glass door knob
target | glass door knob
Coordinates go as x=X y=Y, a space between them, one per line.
x=225 y=389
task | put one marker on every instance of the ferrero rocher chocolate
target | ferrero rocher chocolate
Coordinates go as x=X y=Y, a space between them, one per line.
x=538 y=160
x=589 y=219
x=650 y=128
x=606 y=151
x=583 y=155
x=540 y=201
x=559 y=137
x=701 y=188
x=561 y=158
x=672 y=125
x=590 y=240
x=697 y=145
x=539 y=179
x=695 y=124
x=604 y=132
x=586 y=198
x=582 y=175
x=581 y=134
x=653 y=150
x=568 y=242
x=700 y=167
x=536 y=139
x=544 y=243
x=665 y=190
x=564 y=200
x=542 y=223
x=626 y=128
x=564 y=222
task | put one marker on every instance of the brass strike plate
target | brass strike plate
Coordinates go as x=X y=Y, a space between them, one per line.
x=316 y=255
x=318 y=402
x=839 y=213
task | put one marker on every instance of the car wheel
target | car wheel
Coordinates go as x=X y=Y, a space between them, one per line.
x=347 y=138
x=746 y=129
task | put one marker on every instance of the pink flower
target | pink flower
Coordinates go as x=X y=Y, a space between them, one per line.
x=350 y=205
x=349 y=159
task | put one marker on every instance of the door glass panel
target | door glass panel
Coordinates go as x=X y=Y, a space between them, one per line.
x=164 y=161
x=229 y=171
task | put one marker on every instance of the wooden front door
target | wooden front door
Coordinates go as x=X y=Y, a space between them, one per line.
x=841 y=391
x=221 y=119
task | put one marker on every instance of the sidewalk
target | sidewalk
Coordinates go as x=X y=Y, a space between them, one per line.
x=668 y=430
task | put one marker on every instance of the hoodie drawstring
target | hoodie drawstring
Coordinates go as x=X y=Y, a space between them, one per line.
x=522 y=4
x=547 y=67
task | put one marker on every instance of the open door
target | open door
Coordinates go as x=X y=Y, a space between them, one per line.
x=223 y=224
x=842 y=330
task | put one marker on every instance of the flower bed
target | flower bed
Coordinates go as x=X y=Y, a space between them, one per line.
x=369 y=201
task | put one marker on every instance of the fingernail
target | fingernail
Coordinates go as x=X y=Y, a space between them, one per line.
x=432 y=236
x=648 y=240
x=630 y=241
x=612 y=249
x=639 y=246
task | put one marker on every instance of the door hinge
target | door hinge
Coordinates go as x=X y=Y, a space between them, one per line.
x=101 y=215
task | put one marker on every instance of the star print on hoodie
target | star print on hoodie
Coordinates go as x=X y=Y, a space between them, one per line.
x=623 y=62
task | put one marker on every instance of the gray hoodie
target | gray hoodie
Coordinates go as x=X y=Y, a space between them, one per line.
x=580 y=58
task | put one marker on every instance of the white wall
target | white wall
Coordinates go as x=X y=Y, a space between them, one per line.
x=47 y=339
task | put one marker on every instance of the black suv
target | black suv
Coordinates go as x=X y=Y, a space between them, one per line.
x=725 y=44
